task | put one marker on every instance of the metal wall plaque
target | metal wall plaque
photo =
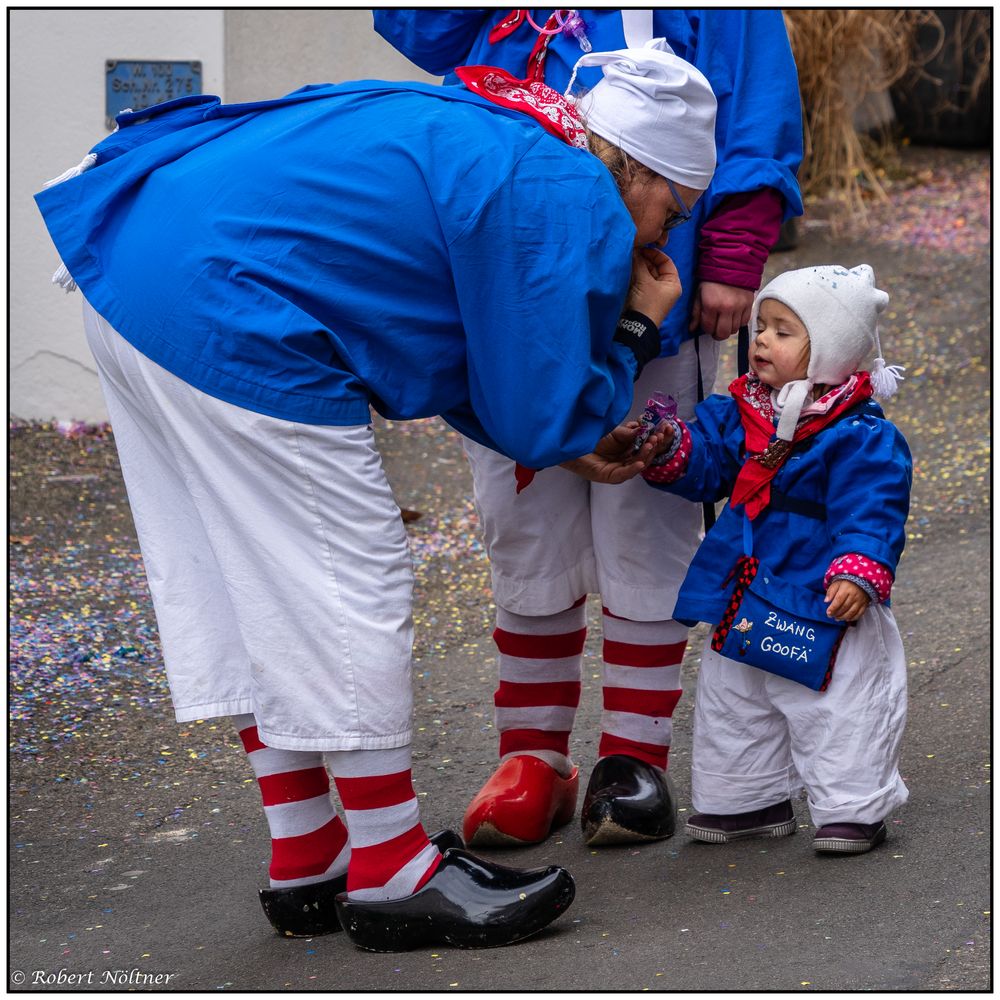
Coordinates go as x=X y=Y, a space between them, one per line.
x=139 y=84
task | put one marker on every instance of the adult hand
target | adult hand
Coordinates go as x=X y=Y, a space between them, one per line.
x=720 y=309
x=614 y=458
x=848 y=602
x=656 y=285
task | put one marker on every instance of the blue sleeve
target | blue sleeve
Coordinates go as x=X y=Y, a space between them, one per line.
x=437 y=40
x=716 y=439
x=746 y=56
x=540 y=299
x=868 y=501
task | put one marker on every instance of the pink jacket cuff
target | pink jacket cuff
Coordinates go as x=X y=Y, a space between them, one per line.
x=861 y=570
x=677 y=464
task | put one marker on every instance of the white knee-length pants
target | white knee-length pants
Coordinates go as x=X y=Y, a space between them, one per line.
x=276 y=558
x=760 y=739
x=563 y=537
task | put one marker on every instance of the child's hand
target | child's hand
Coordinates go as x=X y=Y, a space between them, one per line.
x=848 y=602
x=665 y=431
x=614 y=459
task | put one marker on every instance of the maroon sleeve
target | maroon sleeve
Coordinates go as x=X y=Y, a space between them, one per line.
x=736 y=240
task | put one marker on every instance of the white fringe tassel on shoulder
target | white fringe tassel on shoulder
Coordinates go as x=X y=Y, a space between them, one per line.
x=62 y=277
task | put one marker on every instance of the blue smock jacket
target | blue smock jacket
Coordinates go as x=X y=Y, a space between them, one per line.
x=744 y=54
x=406 y=246
x=844 y=490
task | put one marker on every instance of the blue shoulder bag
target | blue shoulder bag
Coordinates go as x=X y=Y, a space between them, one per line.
x=776 y=625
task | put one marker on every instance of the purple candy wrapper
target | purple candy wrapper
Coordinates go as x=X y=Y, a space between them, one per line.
x=659 y=407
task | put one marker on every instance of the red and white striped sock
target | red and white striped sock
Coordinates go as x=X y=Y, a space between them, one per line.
x=308 y=839
x=391 y=855
x=539 y=665
x=642 y=685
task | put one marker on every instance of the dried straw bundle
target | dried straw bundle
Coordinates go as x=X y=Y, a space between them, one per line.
x=843 y=56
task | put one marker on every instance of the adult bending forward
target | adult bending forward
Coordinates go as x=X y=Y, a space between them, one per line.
x=257 y=276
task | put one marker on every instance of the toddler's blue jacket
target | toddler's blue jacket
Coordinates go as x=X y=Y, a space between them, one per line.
x=844 y=490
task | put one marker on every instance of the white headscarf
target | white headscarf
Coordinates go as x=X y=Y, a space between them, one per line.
x=655 y=106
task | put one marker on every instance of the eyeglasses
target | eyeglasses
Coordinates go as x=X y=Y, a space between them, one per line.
x=678 y=217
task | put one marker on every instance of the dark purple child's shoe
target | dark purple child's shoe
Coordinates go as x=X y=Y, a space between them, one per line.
x=848 y=838
x=772 y=821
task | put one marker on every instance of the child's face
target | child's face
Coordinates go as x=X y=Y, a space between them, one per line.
x=780 y=351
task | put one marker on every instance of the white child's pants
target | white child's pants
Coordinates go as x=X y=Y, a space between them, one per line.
x=276 y=557
x=563 y=537
x=760 y=739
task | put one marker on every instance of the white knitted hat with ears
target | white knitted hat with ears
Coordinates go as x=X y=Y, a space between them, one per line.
x=839 y=307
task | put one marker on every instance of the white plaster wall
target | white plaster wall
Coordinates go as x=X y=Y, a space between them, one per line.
x=272 y=52
x=57 y=94
x=56 y=107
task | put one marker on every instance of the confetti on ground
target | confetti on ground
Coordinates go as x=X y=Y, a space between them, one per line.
x=940 y=208
x=83 y=643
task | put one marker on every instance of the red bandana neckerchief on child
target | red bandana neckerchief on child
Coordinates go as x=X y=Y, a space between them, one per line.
x=753 y=398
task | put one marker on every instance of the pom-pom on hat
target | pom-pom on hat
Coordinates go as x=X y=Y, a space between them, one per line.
x=839 y=308
x=656 y=107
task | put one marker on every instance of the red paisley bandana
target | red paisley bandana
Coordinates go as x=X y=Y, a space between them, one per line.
x=753 y=398
x=547 y=106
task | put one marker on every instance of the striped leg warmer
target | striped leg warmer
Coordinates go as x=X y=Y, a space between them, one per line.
x=540 y=660
x=642 y=685
x=391 y=856
x=308 y=840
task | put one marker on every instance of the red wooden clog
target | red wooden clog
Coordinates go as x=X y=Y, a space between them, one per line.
x=521 y=804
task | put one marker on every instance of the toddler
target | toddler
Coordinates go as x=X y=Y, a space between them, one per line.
x=808 y=457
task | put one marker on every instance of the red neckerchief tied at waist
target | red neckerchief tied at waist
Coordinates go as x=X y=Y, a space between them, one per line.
x=765 y=453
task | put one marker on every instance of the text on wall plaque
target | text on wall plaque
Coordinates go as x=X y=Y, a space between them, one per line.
x=138 y=84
